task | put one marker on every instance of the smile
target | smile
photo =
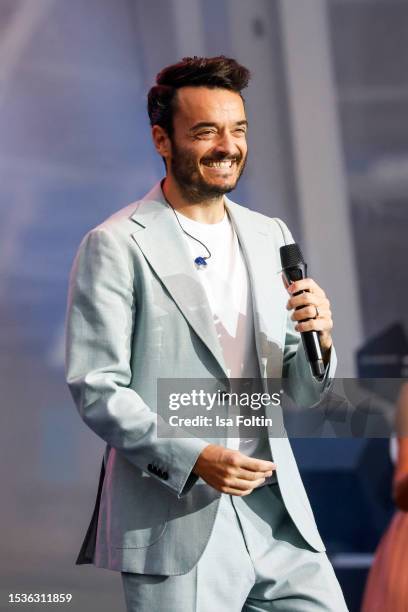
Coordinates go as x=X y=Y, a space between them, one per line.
x=220 y=164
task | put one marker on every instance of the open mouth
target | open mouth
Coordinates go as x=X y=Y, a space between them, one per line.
x=226 y=164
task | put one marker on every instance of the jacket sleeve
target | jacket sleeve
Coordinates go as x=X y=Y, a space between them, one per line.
x=300 y=383
x=99 y=325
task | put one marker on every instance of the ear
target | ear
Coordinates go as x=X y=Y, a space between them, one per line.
x=161 y=141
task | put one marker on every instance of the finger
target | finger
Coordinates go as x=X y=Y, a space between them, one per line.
x=244 y=485
x=306 y=284
x=238 y=493
x=239 y=487
x=254 y=465
x=321 y=325
x=305 y=299
x=248 y=475
x=305 y=313
x=311 y=312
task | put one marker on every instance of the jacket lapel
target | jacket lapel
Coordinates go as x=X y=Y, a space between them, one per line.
x=159 y=237
x=268 y=293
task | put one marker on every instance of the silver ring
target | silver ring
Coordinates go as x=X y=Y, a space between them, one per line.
x=317 y=312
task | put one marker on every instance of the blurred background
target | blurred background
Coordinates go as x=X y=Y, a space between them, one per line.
x=328 y=115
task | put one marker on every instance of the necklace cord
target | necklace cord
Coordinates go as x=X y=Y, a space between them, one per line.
x=193 y=237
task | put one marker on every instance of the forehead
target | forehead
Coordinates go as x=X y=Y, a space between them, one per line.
x=196 y=104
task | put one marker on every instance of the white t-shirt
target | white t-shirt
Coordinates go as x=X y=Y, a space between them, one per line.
x=227 y=285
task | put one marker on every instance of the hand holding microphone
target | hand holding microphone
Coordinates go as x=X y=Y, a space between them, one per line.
x=311 y=308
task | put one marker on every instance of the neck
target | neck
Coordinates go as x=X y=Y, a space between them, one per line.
x=209 y=210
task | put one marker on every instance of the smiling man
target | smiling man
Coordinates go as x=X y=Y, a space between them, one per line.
x=184 y=284
x=208 y=156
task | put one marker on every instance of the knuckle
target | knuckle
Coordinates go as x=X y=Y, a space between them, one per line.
x=227 y=482
x=234 y=459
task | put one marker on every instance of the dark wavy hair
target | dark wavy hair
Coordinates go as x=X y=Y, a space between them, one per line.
x=213 y=72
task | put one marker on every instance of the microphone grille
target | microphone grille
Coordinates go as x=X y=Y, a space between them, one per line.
x=291 y=255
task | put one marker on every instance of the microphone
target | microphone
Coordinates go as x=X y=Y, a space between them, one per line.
x=294 y=268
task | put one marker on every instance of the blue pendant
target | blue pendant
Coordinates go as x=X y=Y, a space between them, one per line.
x=200 y=261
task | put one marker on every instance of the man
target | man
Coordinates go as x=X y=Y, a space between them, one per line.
x=185 y=284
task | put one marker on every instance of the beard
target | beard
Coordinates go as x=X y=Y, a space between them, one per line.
x=192 y=184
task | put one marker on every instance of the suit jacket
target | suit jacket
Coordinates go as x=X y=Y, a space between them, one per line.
x=137 y=313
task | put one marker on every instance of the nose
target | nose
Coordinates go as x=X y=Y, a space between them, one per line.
x=225 y=144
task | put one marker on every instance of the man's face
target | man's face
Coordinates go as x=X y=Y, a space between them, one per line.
x=208 y=146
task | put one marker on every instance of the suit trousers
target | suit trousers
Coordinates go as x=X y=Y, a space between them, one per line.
x=255 y=560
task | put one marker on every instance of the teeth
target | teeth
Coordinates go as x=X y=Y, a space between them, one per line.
x=222 y=164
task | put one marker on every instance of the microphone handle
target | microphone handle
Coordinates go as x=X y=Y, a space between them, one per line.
x=310 y=339
x=313 y=351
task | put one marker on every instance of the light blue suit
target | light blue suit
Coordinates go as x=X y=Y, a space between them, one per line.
x=136 y=313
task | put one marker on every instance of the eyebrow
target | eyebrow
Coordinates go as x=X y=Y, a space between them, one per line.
x=204 y=124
